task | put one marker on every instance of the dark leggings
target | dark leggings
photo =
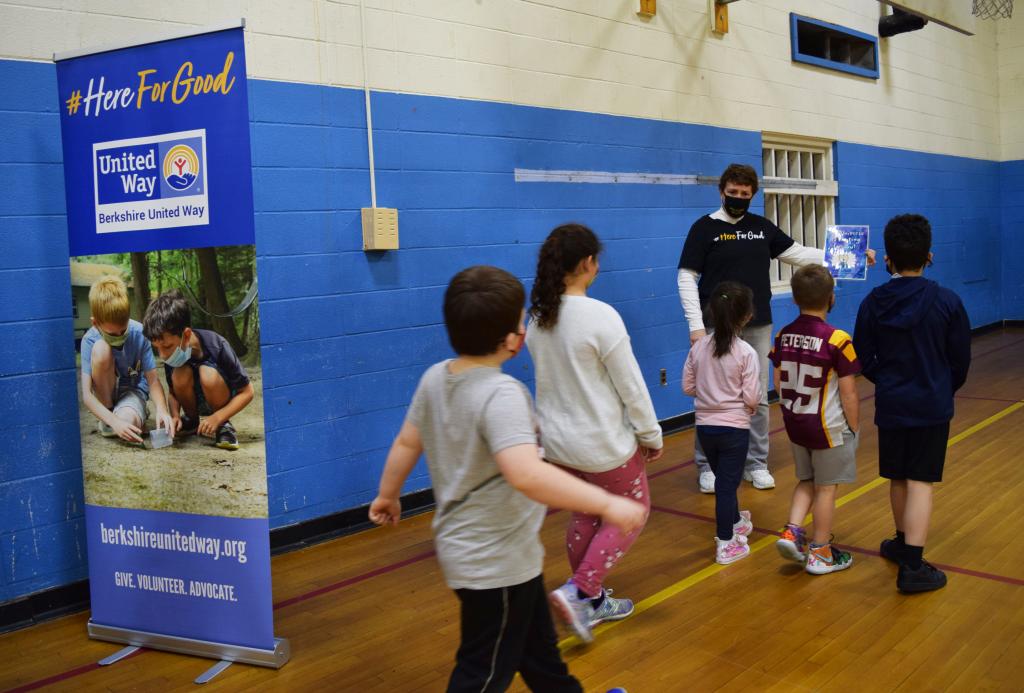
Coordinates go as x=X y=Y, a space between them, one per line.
x=726 y=448
x=505 y=630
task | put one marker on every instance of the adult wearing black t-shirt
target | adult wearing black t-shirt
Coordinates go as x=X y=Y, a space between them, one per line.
x=732 y=244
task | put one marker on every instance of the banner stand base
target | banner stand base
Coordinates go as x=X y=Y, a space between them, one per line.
x=275 y=659
x=208 y=675
x=119 y=655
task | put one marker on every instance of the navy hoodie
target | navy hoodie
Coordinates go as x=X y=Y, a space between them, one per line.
x=913 y=339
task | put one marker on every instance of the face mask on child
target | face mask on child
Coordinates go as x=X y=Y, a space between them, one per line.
x=180 y=356
x=115 y=342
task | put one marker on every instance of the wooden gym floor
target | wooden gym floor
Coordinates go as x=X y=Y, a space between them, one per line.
x=370 y=612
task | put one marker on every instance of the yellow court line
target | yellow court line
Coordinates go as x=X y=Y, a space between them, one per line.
x=704 y=573
x=878 y=481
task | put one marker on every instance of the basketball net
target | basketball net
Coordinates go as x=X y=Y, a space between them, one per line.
x=992 y=9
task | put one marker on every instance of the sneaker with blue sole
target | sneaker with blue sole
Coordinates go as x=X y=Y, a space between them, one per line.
x=611 y=609
x=573 y=611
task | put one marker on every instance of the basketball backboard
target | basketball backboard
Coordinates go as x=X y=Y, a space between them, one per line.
x=952 y=14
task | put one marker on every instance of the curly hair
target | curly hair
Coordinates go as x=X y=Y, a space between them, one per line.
x=740 y=174
x=563 y=250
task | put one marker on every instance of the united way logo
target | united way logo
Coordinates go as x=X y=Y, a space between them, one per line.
x=152 y=182
x=181 y=167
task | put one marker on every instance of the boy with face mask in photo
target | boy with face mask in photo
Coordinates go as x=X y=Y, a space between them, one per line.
x=732 y=244
x=203 y=372
x=118 y=370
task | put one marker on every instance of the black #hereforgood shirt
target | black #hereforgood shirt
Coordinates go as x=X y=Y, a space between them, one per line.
x=740 y=252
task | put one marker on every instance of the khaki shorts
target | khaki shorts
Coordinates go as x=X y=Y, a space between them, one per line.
x=133 y=400
x=830 y=466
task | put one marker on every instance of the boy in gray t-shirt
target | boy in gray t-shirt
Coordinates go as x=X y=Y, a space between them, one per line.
x=477 y=428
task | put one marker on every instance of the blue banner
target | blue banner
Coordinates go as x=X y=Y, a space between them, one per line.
x=156 y=146
x=191 y=576
x=158 y=180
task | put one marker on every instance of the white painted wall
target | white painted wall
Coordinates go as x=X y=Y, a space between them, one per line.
x=939 y=90
x=1011 y=85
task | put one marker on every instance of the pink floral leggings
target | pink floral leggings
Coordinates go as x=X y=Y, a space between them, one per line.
x=593 y=548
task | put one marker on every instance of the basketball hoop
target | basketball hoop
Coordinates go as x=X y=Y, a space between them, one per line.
x=992 y=9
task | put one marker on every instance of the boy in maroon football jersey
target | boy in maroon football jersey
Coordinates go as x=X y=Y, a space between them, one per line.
x=815 y=368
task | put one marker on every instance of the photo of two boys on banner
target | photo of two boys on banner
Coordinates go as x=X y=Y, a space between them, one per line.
x=161 y=235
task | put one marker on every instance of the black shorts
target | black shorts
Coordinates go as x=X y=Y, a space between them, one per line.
x=918 y=454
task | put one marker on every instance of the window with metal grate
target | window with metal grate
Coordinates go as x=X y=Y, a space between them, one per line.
x=800 y=193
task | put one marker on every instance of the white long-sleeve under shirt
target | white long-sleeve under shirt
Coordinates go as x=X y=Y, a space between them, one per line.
x=686 y=280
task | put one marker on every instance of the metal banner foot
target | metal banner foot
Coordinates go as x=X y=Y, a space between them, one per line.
x=213 y=671
x=119 y=655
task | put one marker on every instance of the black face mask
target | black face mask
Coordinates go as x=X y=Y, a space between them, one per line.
x=736 y=207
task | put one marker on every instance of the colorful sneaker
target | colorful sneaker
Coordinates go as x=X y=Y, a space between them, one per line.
x=732 y=550
x=744 y=526
x=226 y=438
x=890 y=549
x=792 y=544
x=924 y=579
x=575 y=612
x=826 y=559
x=761 y=478
x=706 y=481
x=610 y=609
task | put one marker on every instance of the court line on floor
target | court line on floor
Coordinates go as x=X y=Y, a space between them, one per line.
x=850 y=547
x=69 y=674
x=701 y=575
x=657 y=598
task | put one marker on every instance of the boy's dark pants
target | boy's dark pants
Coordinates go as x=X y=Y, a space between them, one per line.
x=505 y=630
x=726 y=449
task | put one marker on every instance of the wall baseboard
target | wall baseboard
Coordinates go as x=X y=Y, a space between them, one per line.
x=45 y=605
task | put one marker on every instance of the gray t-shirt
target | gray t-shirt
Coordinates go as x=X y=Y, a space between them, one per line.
x=485 y=531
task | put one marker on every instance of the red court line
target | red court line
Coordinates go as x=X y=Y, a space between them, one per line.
x=998 y=348
x=69 y=674
x=72 y=673
x=987 y=399
x=353 y=580
x=858 y=549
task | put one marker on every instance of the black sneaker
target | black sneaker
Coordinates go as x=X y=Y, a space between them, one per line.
x=189 y=426
x=923 y=579
x=891 y=550
x=226 y=438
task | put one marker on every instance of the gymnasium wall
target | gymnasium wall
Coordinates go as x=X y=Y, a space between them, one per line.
x=464 y=93
x=1010 y=68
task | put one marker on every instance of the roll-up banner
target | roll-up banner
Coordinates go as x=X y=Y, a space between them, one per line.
x=158 y=182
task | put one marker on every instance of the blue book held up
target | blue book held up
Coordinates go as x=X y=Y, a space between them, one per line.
x=846 y=251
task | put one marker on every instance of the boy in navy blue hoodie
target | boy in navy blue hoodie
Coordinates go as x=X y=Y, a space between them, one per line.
x=914 y=342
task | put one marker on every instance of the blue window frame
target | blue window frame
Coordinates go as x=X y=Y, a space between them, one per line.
x=832 y=46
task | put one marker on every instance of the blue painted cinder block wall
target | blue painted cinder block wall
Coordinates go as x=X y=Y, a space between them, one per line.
x=1011 y=177
x=347 y=334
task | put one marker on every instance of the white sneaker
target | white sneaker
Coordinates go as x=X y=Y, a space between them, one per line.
x=707 y=482
x=734 y=549
x=761 y=478
x=575 y=612
x=744 y=526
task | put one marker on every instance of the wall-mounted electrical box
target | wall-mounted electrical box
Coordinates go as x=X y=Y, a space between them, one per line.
x=380 y=228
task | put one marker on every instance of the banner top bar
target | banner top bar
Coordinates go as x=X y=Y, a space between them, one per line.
x=156 y=38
